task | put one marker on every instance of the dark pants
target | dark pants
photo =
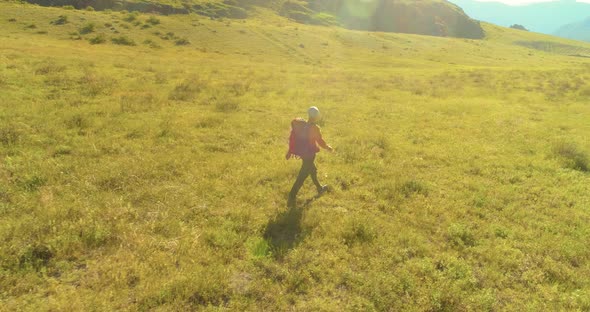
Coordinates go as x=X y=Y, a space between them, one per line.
x=307 y=168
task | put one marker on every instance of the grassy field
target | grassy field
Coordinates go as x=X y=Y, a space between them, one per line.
x=142 y=168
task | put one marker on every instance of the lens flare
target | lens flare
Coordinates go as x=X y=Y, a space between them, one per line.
x=359 y=8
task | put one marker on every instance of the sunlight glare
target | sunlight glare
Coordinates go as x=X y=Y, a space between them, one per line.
x=360 y=8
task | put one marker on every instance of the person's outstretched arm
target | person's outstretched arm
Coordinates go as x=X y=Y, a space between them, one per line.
x=320 y=140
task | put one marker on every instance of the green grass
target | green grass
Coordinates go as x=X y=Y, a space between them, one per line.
x=135 y=178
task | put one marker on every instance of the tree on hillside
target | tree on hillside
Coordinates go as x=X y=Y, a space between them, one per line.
x=519 y=27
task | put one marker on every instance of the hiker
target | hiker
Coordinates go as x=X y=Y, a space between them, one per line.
x=303 y=143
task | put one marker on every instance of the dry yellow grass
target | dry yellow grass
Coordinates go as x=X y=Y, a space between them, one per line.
x=151 y=177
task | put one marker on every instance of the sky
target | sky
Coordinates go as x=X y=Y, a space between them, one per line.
x=525 y=2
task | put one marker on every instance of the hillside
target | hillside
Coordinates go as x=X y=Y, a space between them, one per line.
x=142 y=166
x=427 y=17
x=543 y=17
x=577 y=31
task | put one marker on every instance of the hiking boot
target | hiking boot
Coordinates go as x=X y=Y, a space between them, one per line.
x=322 y=189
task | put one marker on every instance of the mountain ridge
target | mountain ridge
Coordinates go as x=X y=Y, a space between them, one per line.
x=545 y=17
x=576 y=31
x=427 y=17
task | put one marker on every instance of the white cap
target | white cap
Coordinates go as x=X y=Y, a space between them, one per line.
x=313 y=112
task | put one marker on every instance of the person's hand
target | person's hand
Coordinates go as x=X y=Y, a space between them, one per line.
x=288 y=156
x=330 y=149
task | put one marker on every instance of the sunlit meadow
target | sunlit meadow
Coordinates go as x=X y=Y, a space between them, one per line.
x=142 y=168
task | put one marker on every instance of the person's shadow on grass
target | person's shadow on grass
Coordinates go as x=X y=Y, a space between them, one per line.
x=284 y=231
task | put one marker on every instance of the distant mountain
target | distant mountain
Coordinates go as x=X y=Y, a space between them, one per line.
x=545 y=17
x=577 y=31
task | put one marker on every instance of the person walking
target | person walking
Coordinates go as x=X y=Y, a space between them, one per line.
x=305 y=141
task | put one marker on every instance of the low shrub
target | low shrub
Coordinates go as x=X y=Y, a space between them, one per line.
x=62 y=150
x=573 y=157
x=94 y=84
x=182 y=42
x=96 y=235
x=86 y=29
x=460 y=235
x=139 y=102
x=49 y=68
x=130 y=18
x=37 y=256
x=75 y=36
x=98 y=39
x=209 y=122
x=227 y=104
x=31 y=183
x=413 y=187
x=123 y=40
x=169 y=36
x=188 y=89
x=239 y=88
x=77 y=121
x=10 y=135
x=153 y=20
x=152 y=44
x=359 y=232
x=61 y=20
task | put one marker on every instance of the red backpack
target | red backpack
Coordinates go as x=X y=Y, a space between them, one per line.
x=299 y=138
